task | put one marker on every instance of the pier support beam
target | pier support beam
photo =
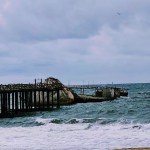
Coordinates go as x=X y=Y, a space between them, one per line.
x=58 y=99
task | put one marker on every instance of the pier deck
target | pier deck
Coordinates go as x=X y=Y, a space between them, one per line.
x=18 y=98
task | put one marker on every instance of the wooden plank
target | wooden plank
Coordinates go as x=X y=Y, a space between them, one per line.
x=26 y=100
x=2 y=103
x=48 y=98
x=35 y=86
x=20 y=100
x=52 y=92
x=43 y=100
x=31 y=104
x=12 y=101
x=23 y=100
x=35 y=99
x=8 y=101
x=16 y=101
x=58 y=99
x=39 y=98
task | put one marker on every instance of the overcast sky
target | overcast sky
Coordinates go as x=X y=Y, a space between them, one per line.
x=76 y=41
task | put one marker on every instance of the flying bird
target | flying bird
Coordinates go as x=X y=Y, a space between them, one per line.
x=118 y=13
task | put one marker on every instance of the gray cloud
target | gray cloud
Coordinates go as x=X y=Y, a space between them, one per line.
x=38 y=20
x=75 y=40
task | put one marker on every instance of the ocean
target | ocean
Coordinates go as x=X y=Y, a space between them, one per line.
x=121 y=123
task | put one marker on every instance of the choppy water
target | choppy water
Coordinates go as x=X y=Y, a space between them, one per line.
x=121 y=123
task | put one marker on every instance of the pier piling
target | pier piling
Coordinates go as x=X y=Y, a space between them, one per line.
x=17 y=98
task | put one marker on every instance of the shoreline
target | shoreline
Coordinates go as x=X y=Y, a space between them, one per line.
x=142 y=148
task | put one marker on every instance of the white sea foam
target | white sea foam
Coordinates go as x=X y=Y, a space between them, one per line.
x=43 y=120
x=75 y=136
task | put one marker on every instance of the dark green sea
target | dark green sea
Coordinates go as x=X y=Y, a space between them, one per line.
x=121 y=123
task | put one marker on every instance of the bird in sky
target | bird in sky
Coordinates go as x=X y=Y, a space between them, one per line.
x=118 y=13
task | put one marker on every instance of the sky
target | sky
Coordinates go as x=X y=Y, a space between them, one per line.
x=76 y=41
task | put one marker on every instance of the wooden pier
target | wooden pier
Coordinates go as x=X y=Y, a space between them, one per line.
x=19 y=98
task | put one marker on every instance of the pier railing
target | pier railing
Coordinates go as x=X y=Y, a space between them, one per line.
x=81 y=89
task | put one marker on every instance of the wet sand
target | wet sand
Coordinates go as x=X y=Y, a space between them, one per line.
x=134 y=148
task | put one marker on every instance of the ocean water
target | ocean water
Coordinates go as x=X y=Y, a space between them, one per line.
x=121 y=123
